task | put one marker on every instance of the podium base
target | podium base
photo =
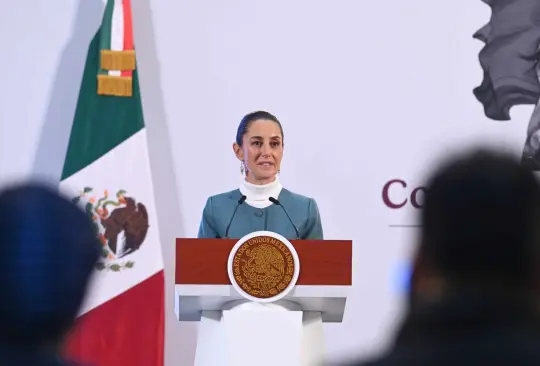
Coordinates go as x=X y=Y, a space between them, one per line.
x=248 y=333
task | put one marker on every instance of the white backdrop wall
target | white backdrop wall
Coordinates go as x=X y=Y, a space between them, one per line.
x=367 y=91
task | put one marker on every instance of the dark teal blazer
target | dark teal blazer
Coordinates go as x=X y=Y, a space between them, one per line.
x=219 y=210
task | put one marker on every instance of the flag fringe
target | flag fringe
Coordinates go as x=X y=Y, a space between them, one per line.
x=119 y=86
x=118 y=60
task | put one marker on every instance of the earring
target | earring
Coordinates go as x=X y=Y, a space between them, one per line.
x=242 y=167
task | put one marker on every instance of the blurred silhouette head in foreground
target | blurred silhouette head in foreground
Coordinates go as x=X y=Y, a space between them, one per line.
x=47 y=253
x=474 y=291
x=480 y=228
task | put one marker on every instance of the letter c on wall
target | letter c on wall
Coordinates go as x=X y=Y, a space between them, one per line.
x=386 y=196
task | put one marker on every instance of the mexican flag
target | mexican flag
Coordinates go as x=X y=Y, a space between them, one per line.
x=107 y=171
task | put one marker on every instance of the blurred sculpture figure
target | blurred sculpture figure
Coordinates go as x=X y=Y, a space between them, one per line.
x=509 y=61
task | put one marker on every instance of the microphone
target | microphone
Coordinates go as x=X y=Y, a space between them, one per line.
x=240 y=201
x=276 y=202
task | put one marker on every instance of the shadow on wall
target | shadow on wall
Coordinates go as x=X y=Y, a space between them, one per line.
x=51 y=151
x=180 y=338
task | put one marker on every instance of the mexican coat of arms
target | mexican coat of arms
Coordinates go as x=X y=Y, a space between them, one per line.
x=120 y=223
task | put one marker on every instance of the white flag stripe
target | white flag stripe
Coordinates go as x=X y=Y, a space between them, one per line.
x=126 y=167
x=117 y=31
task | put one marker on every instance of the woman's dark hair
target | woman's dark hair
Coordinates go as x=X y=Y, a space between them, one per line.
x=252 y=117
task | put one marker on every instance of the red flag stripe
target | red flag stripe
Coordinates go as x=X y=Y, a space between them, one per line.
x=128 y=31
x=126 y=330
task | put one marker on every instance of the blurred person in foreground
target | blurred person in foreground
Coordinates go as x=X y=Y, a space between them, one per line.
x=47 y=253
x=474 y=297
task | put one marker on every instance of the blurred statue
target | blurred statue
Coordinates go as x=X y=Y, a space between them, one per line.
x=510 y=63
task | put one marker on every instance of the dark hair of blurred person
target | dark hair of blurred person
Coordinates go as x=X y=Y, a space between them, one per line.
x=480 y=229
x=47 y=253
x=475 y=286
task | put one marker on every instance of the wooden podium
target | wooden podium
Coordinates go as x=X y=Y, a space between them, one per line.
x=234 y=331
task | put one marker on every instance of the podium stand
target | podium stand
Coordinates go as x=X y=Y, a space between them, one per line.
x=234 y=331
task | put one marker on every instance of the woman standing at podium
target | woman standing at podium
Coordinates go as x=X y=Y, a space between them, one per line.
x=261 y=202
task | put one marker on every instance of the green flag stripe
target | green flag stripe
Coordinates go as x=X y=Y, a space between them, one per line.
x=101 y=122
x=106 y=29
x=106 y=26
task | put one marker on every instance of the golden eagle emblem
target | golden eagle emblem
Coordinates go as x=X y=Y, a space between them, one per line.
x=120 y=224
x=263 y=267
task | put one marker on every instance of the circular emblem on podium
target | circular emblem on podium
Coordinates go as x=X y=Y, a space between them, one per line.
x=263 y=266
